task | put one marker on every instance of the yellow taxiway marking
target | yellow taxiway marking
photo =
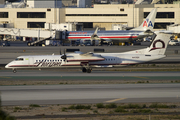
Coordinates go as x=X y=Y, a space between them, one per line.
x=140 y=77
x=116 y=100
x=4 y=77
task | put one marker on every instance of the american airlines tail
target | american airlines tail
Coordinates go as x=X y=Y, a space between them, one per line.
x=148 y=23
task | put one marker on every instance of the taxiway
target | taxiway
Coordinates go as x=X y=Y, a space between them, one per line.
x=82 y=94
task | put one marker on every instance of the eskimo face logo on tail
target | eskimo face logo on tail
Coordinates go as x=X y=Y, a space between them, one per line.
x=156 y=45
x=147 y=23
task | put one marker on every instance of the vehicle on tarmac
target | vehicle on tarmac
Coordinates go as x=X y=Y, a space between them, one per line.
x=5 y=43
x=87 y=61
x=85 y=42
x=174 y=42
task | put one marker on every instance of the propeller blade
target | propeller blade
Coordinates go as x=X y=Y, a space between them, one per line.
x=60 y=52
x=64 y=55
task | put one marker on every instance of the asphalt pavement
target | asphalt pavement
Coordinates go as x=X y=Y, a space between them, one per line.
x=74 y=94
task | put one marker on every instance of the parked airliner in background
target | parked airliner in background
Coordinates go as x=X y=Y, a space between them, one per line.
x=144 y=30
x=87 y=61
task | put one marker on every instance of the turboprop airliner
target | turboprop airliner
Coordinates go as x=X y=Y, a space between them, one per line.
x=87 y=61
x=144 y=30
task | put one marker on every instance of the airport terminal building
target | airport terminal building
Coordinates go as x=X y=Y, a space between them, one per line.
x=100 y=15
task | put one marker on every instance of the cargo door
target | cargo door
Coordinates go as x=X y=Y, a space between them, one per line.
x=31 y=61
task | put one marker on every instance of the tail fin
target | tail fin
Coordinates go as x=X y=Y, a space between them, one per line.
x=148 y=23
x=159 y=44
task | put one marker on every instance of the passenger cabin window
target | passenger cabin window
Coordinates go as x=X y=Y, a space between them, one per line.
x=19 y=59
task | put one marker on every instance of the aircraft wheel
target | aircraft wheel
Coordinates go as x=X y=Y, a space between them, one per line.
x=84 y=70
x=29 y=44
x=14 y=71
x=88 y=70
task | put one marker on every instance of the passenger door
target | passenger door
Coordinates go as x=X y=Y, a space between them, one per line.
x=31 y=61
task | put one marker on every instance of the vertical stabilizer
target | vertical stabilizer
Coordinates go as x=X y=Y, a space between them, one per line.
x=148 y=23
x=159 y=44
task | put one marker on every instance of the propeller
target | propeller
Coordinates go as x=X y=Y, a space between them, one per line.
x=64 y=55
x=60 y=51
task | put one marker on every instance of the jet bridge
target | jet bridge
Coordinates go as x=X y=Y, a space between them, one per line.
x=27 y=32
x=41 y=35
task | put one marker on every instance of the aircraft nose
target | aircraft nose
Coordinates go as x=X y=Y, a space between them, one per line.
x=7 y=66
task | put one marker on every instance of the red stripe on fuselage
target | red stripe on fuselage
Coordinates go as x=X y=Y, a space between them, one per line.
x=73 y=37
x=78 y=37
x=22 y=66
x=119 y=37
x=76 y=64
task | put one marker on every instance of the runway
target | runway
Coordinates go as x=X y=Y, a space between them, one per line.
x=77 y=77
x=78 y=73
x=93 y=93
x=81 y=94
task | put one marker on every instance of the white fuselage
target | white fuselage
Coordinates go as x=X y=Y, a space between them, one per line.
x=76 y=60
x=90 y=60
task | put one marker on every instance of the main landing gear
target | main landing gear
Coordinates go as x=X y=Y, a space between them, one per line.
x=88 y=70
x=14 y=70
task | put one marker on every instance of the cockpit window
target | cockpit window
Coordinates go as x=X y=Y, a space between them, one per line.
x=19 y=59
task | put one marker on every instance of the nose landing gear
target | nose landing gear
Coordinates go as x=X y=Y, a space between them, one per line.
x=14 y=70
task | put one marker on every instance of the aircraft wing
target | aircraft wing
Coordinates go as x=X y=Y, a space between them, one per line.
x=95 y=36
x=83 y=54
x=148 y=32
x=85 y=57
